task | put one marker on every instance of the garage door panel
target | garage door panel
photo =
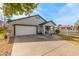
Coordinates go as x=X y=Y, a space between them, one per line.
x=25 y=30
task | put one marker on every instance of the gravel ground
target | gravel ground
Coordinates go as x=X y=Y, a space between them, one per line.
x=6 y=48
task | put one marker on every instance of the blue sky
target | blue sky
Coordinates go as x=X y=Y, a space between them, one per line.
x=60 y=13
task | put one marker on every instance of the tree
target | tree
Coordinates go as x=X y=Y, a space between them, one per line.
x=10 y=9
x=77 y=28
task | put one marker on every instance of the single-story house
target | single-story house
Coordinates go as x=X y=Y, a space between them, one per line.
x=29 y=25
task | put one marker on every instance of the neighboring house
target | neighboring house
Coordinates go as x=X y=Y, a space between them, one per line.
x=77 y=23
x=1 y=23
x=65 y=28
x=30 y=25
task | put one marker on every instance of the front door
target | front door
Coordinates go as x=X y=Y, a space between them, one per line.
x=47 y=29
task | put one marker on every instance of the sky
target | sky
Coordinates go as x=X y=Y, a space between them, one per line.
x=60 y=13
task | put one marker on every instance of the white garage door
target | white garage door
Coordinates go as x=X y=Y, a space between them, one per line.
x=25 y=30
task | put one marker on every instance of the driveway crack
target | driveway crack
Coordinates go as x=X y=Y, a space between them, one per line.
x=52 y=49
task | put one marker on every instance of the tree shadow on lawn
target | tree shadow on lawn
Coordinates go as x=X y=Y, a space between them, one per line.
x=70 y=38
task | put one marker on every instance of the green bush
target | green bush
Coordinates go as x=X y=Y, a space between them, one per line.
x=76 y=27
x=57 y=31
x=4 y=31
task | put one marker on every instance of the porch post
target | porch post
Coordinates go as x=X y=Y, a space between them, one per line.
x=44 y=29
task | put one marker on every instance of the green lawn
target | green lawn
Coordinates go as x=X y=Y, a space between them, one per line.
x=71 y=37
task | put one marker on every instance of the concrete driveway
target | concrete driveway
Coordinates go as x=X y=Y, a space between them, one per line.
x=37 y=45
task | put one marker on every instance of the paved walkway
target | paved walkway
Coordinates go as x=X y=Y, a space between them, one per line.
x=33 y=46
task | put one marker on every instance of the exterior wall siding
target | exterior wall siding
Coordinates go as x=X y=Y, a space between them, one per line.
x=28 y=21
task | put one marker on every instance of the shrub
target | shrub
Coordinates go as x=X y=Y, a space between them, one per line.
x=57 y=31
x=4 y=31
x=76 y=27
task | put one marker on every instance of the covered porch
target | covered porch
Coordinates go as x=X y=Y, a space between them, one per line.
x=46 y=28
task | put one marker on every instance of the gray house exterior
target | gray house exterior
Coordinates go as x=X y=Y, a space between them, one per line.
x=30 y=26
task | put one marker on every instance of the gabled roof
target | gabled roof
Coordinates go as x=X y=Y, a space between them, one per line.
x=27 y=17
x=47 y=22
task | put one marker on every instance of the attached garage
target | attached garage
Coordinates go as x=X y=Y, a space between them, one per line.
x=27 y=25
x=20 y=30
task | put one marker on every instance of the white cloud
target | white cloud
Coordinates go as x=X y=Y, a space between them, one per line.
x=69 y=4
x=68 y=13
x=37 y=10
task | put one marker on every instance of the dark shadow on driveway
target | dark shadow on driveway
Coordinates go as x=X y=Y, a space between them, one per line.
x=35 y=38
x=11 y=40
